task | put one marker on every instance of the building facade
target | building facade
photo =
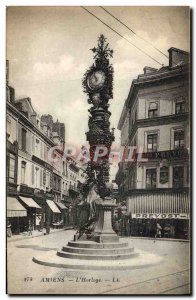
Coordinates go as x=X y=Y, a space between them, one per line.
x=155 y=121
x=41 y=183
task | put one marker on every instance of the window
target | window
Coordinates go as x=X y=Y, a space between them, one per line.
x=55 y=183
x=41 y=179
x=36 y=176
x=23 y=168
x=179 y=107
x=153 y=110
x=66 y=170
x=37 y=147
x=11 y=170
x=63 y=168
x=33 y=143
x=164 y=175
x=152 y=142
x=178 y=177
x=178 y=139
x=24 y=139
x=151 y=178
x=51 y=179
x=44 y=177
x=8 y=123
x=32 y=174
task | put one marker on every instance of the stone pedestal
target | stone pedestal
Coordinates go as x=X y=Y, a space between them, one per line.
x=103 y=232
x=104 y=250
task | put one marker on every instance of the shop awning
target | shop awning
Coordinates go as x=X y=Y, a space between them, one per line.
x=61 y=205
x=14 y=208
x=30 y=202
x=53 y=206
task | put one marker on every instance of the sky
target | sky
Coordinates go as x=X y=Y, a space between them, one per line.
x=48 y=53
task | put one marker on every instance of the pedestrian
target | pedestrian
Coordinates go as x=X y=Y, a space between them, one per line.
x=9 y=230
x=128 y=227
x=30 y=227
x=158 y=231
x=117 y=226
x=47 y=227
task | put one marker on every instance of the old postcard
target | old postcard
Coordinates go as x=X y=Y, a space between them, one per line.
x=98 y=150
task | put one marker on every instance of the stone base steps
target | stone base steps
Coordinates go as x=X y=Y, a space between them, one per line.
x=98 y=251
x=94 y=245
x=91 y=250
x=96 y=256
x=141 y=260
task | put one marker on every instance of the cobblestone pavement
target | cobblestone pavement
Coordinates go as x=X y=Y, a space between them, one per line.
x=171 y=276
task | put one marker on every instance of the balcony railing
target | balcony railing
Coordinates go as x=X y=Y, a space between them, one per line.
x=73 y=188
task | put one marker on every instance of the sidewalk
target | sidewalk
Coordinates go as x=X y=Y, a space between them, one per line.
x=156 y=239
x=35 y=233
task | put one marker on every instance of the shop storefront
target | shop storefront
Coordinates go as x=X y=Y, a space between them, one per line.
x=16 y=216
x=64 y=212
x=169 y=210
x=172 y=225
x=33 y=213
x=53 y=214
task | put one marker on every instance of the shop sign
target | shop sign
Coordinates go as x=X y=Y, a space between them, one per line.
x=159 y=216
x=169 y=154
x=26 y=189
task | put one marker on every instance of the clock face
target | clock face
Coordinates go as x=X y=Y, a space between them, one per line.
x=96 y=80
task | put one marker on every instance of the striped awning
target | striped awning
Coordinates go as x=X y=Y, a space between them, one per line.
x=30 y=202
x=61 y=205
x=53 y=206
x=14 y=208
x=166 y=203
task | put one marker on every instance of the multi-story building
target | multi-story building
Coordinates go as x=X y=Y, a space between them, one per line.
x=15 y=211
x=41 y=182
x=155 y=120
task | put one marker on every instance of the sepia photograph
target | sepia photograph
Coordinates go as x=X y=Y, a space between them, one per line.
x=98 y=150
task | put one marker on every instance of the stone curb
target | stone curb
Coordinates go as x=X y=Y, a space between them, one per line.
x=41 y=234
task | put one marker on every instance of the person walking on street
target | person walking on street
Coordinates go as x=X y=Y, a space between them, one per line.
x=158 y=231
x=30 y=227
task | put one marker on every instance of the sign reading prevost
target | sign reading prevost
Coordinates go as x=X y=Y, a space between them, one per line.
x=159 y=216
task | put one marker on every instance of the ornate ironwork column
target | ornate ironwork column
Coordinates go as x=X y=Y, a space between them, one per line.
x=98 y=85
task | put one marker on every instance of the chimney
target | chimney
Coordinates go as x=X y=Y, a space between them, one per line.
x=177 y=57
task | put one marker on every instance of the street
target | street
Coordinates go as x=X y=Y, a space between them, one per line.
x=171 y=276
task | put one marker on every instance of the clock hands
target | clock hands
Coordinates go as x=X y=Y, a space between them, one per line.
x=96 y=78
